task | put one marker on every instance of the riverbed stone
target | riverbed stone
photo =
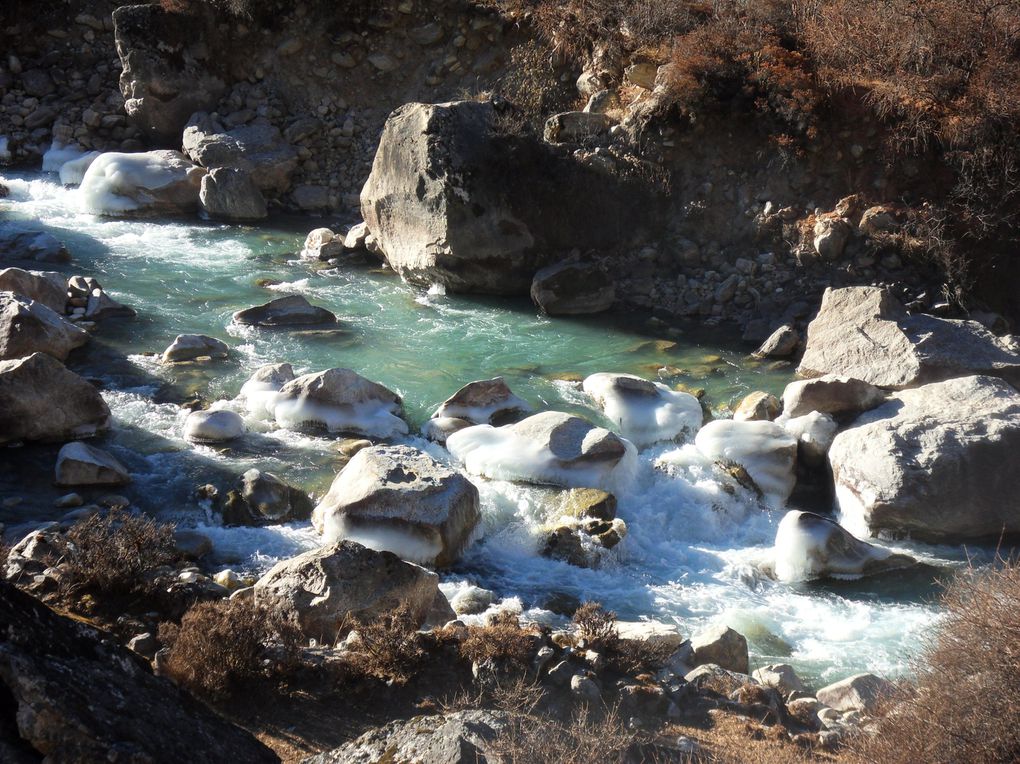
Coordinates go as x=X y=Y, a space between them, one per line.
x=438 y=429
x=79 y=464
x=781 y=676
x=487 y=401
x=720 y=645
x=341 y=401
x=264 y=498
x=20 y=243
x=934 y=462
x=782 y=343
x=839 y=396
x=764 y=450
x=27 y=327
x=757 y=406
x=861 y=692
x=188 y=347
x=572 y=288
x=257 y=150
x=217 y=426
x=45 y=287
x=324 y=588
x=643 y=411
x=230 y=194
x=153 y=183
x=400 y=499
x=40 y=400
x=292 y=310
x=866 y=334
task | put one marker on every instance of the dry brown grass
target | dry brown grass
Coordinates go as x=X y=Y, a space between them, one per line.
x=389 y=648
x=596 y=630
x=964 y=707
x=502 y=641
x=220 y=647
x=586 y=737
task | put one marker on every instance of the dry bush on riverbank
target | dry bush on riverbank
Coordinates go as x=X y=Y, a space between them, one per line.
x=389 y=648
x=114 y=554
x=501 y=641
x=220 y=646
x=596 y=628
x=965 y=705
x=587 y=737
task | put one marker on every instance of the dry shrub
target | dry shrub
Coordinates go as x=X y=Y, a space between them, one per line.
x=501 y=641
x=389 y=648
x=540 y=739
x=221 y=646
x=115 y=554
x=596 y=629
x=964 y=706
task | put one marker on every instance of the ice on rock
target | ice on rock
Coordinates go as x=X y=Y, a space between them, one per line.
x=645 y=412
x=5 y=152
x=487 y=401
x=153 y=182
x=810 y=546
x=341 y=401
x=72 y=173
x=259 y=392
x=764 y=450
x=550 y=448
x=58 y=154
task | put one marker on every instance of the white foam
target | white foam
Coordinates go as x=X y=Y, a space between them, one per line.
x=645 y=419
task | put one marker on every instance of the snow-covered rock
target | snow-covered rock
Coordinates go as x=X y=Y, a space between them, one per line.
x=260 y=391
x=645 y=412
x=147 y=183
x=487 y=401
x=213 y=426
x=764 y=450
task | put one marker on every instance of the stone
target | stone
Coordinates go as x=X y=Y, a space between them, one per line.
x=814 y=433
x=292 y=310
x=644 y=412
x=340 y=400
x=155 y=183
x=782 y=343
x=40 y=400
x=487 y=401
x=322 y=244
x=258 y=150
x=642 y=74
x=809 y=546
x=934 y=462
x=865 y=333
x=163 y=79
x=79 y=464
x=571 y=288
x=100 y=305
x=581 y=503
x=357 y=237
x=438 y=429
x=575 y=127
x=780 y=676
x=472 y=601
x=192 y=545
x=764 y=450
x=28 y=327
x=230 y=194
x=325 y=588
x=878 y=220
x=660 y=638
x=549 y=448
x=188 y=347
x=458 y=737
x=400 y=499
x=268 y=499
x=37 y=82
x=311 y=198
x=757 y=406
x=259 y=393
x=145 y=645
x=839 y=396
x=830 y=236
x=709 y=676
x=862 y=692
x=213 y=426
x=721 y=645
x=50 y=669
x=584 y=689
x=19 y=243
x=44 y=287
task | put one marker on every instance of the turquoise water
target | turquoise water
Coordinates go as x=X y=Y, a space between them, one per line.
x=693 y=551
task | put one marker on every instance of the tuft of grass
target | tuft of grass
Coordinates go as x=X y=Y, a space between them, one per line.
x=389 y=648
x=501 y=641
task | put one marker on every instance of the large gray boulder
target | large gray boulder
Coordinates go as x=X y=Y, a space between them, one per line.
x=865 y=333
x=324 y=588
x=46 y=287
x=937 y=462
x=861 y=692
x=231 y=194
x=720 y=645
x=165 y=75
x=452 y=202
x=292 y=310
x=400 y=499
x=258 y=150
x=28 y=327
x=79 y=464
x=151 y=183
x=40 y=400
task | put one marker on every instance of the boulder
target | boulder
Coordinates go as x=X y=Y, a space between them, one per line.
x=582 y=503
x=878 y=220
x=830 y=235
x=644 y=412
x=935 y=462
x=100 y=305
x=572 y=288
x=28 y=327
x=831 y=394
x=438 y=429
x=457 y=737
x=72 y=172
x=782 y=343
x=809 y=546
x=230 y=194
x=156 y=183
x=19 y=243
x=400 y=499
x=709 y=676
x=45 y=287
x=357 y=237
x=487 y=401
x=865 y=333
x=450 y=201
x=79 y=464
x=323 y=244
x=583 y=543
x=40 y=400
x=163 y=78
x=213 y=426
x=260 y=391
x=325 y=588
x=576 y=127
x=192 y=545
x=51 y=672
x=292 y=310
x=257 y=150
x=548 y=448
x=264 y=498
x=188 y=347
x=764 y=450
x=757 y=407
x=340 y=400
x=862 y=692
x=780 y=676
x=662 y=638
x=814 y=433
x=721 y=646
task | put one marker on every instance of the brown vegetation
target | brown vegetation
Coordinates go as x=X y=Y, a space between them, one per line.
x=965 y=704
x=389 y=648
x=501 y=641
x=219 y=647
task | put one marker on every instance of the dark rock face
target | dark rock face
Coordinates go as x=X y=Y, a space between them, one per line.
x=70 y=694
x=164 y=80
x=572 y=288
